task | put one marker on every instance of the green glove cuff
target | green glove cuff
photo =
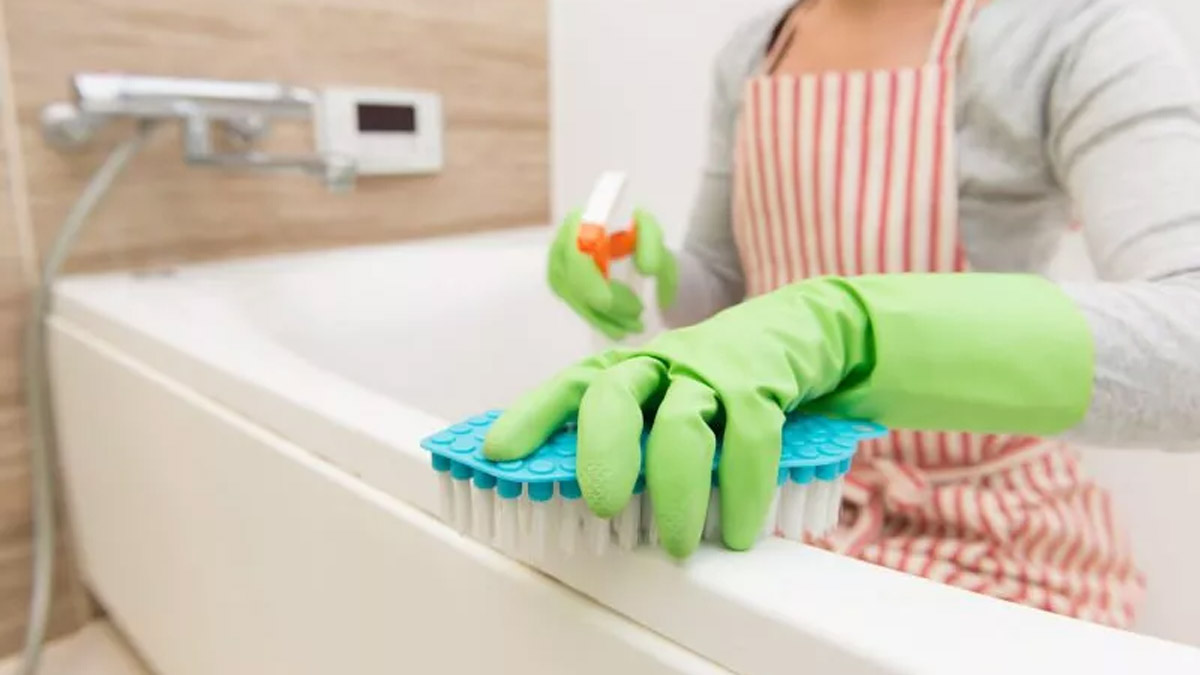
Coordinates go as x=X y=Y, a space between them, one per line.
x=996 y=353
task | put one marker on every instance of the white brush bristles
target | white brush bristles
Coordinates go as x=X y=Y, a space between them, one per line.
x=561 y=525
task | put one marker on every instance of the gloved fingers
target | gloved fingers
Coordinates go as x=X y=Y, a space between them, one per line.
x=568 y=230
x=563 y=236
x=748 y=468
x=652 y=258
x=679 y=461
x=615 y=327
x=609 y=454
x=626 y=306
x=667 y=282
x=616 y=322
x=576 y=271
x=535 y=416
x=650 y=251
x=619 y=318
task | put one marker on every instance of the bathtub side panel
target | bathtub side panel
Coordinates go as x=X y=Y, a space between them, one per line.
x=221 y=548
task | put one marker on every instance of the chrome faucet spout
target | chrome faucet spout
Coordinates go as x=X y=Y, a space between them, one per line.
x=242 y=110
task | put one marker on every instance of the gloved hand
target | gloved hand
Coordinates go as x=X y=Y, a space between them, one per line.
x=963 y=352
x=610 y=306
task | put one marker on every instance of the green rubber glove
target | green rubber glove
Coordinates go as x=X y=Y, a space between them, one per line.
x=610 y=306
x=962 y=352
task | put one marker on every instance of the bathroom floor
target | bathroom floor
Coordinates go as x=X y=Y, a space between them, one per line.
x=96 y=649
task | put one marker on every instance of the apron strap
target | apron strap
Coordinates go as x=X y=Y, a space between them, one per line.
x=952 y=30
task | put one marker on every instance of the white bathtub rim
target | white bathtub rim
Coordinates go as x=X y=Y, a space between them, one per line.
x=373 y=438
x=666 y=652
x=335 y=436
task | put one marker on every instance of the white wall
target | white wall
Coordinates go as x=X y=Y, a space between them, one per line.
x=630 y=82
x=630 y=89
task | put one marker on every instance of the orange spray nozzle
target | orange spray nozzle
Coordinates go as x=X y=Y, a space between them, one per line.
x=604 y=247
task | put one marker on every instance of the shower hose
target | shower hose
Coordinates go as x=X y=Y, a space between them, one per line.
x=37 y=399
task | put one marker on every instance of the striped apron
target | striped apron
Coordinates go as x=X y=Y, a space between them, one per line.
x=847 y=173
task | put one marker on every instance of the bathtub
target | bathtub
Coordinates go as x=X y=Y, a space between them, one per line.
x=239 y=448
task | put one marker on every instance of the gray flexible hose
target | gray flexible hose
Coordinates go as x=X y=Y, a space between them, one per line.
x=41 y=419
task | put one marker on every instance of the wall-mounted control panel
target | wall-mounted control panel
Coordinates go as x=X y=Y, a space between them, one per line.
x=382 y=131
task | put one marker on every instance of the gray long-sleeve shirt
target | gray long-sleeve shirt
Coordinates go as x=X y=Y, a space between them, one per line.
x=1066 y=109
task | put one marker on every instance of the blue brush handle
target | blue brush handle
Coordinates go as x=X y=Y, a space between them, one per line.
x=814 y=448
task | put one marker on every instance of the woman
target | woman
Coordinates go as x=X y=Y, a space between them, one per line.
x=887 y=207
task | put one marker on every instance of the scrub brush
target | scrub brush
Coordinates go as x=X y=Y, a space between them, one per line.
x=534 y=505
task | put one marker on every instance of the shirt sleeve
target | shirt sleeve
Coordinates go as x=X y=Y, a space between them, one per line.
x=1123 y=136
x=710 y=271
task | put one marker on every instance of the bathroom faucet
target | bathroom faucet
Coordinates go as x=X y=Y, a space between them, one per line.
x=243 y=110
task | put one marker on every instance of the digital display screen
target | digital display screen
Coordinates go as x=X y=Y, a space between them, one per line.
x=386 y=117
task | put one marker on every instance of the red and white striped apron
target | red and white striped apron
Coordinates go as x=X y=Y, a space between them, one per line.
x=846 y=173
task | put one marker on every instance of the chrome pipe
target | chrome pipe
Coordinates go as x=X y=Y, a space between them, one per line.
x=241 y=109
x=169 y=97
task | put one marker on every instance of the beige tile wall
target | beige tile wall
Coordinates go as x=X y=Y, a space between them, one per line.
x=486 y=57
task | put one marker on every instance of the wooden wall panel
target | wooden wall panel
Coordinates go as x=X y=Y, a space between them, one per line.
x=486 y=57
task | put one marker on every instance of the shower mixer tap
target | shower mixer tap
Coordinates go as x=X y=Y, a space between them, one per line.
x=243 y=110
